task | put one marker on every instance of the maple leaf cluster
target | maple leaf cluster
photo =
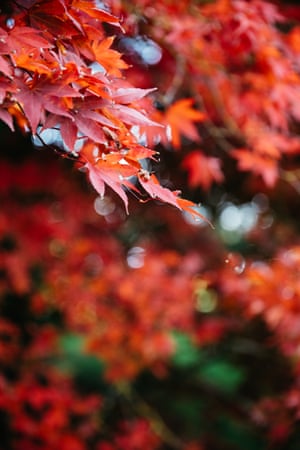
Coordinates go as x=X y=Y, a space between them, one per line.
x=59 y=71
x=228 y=84
x=226 y=75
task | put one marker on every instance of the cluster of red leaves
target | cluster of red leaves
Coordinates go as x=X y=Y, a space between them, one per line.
x=268 y=289
x=278 y=414
x=133 y=435
x=124 y=296
x=59 y=70
x=237 y=64
x=274 y=289
x=238 y=69
x=39 y=410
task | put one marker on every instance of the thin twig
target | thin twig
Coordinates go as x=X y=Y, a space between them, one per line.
x=155 y=420
x=177 y=81
x=61 y=152
x=217 y=133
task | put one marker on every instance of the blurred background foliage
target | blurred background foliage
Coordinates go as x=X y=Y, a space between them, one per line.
x=137 y=332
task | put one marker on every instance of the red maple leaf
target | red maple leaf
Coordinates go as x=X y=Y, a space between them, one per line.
x=202 y=170
x=152 y=186
x=181 y=118
x=261 y=165
x=24 y=39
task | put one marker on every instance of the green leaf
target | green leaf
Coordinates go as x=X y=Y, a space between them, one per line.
x=186 y=354
x=74 y=359
x=71 y=344
x=240 y=436
x=226 y=376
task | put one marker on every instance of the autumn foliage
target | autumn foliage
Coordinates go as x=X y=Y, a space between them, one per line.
x=149 y=236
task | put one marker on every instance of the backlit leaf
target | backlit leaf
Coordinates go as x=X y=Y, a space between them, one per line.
x=181 y=118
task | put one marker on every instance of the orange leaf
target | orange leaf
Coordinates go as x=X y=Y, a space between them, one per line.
x=181 y=118
x=110 y=59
